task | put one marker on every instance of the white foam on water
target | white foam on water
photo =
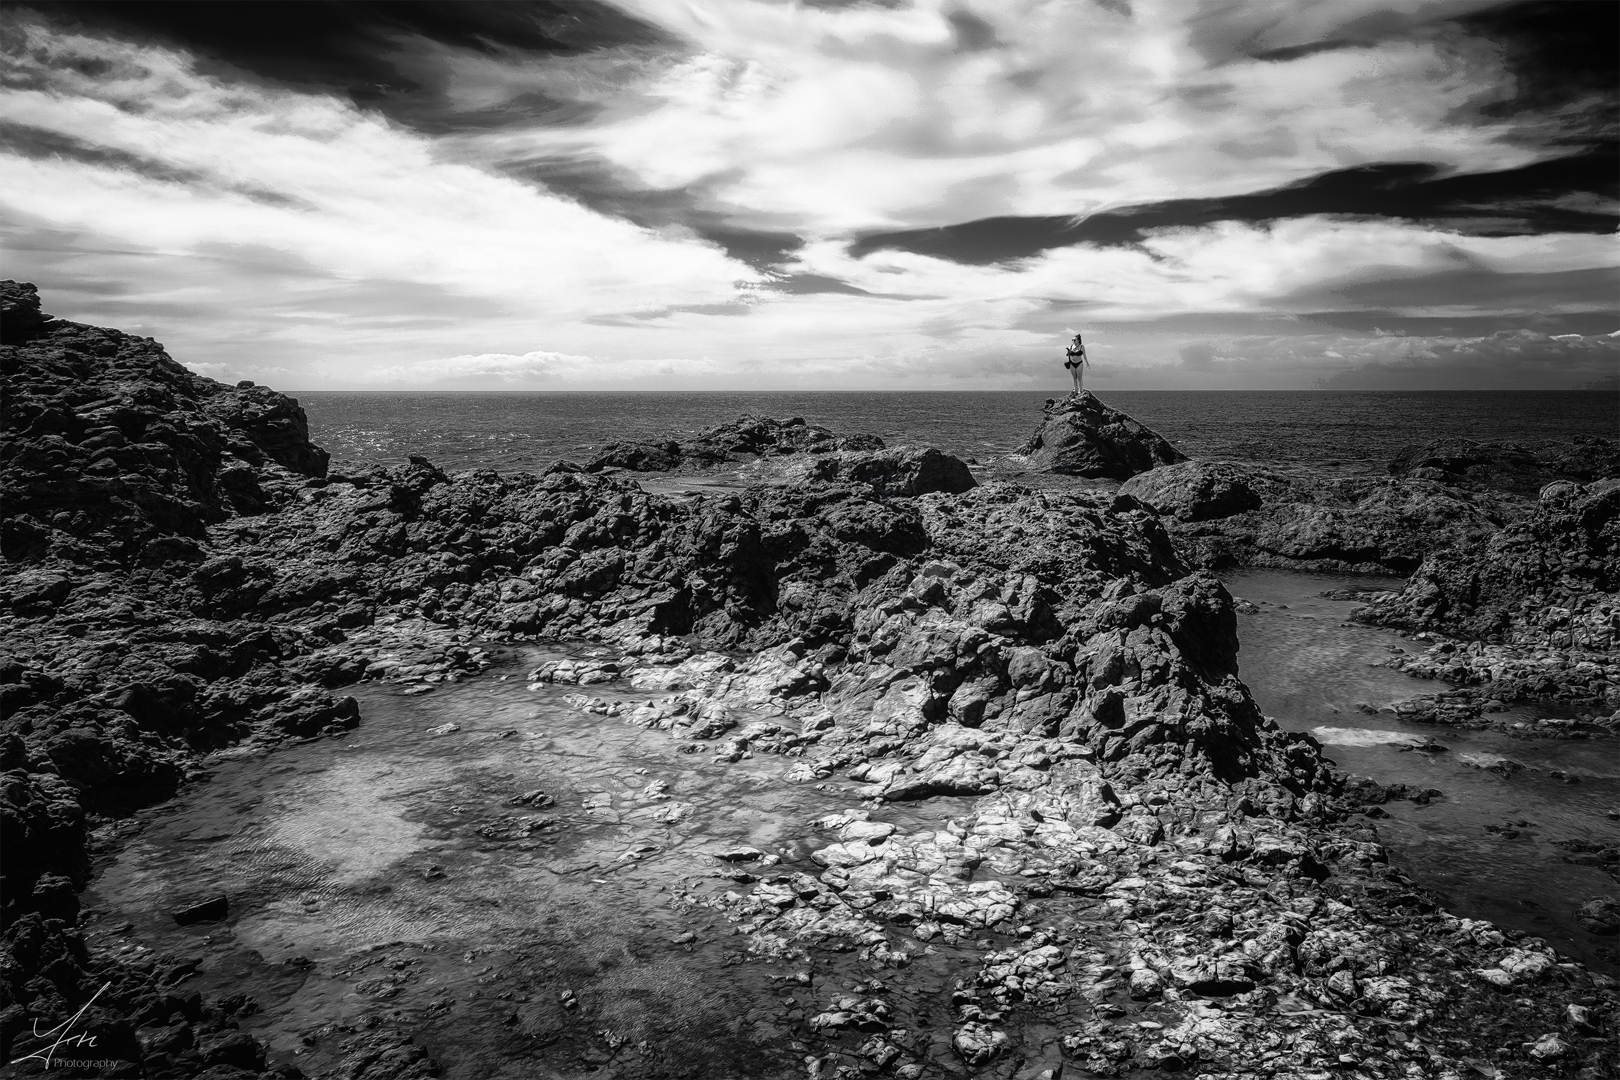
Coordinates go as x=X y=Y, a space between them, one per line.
x=1482 y=761
x=1342 y=736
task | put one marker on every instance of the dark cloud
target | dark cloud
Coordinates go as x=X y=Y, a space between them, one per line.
x=1600 y=321
x=1535 y=198
x=1471 y=288
x=354 y=47
x=1560 y=53
x=973 y=34
x=803 y=284
x=33 y=142
x=601 y=189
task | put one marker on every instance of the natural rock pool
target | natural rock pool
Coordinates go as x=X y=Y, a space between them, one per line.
x=486 y=865
x=1489 y=845
x=482 y=886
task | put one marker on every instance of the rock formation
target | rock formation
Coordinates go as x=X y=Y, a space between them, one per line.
x=738 y=441
x=1522 y=470
x=1080 y=436
x=1536 y=602
x=1140 y=841
x=1227 y=514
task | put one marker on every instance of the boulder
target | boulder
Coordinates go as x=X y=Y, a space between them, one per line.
x=1080 y=436
x=903 y=472
x=637 y=457
x=1195 y=490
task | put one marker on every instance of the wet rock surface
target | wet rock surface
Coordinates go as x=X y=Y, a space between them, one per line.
x=1130 y=868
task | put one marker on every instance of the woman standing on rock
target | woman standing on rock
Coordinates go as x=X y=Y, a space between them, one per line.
x=1076 y=362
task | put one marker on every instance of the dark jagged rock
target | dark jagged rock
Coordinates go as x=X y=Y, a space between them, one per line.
x=1225 y=514
x=1520 y=469
x=1565 y=551
x=1538 y=600
x=1196 y=490
x=638 y=457
x=112 y=451
x=737 y=441
x=895 y=472
x=1080 y=436
x=20 y=316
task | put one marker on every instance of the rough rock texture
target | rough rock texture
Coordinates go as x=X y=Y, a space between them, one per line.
x=1226 y=514
x=1197 y=490
x=1080 y=436
x=904 y=472
x=737 y=441
x=1539 y=601
x=1140 y=841
x=1521 y=469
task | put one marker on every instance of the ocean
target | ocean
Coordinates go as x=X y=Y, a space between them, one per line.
x=512 y=431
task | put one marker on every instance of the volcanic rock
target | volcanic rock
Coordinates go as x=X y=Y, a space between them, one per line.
x=904 y=472
x=737 y=441
x=20 y=316
x=1080 y=436
x=1523 y=469
x=1225 y=514
x=1195 y=490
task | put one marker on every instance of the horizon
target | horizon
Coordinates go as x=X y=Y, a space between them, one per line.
x=993 y=390
x=741 y=196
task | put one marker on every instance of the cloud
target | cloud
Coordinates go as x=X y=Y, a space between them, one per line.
x=356 y=199
x=865 y=118
x=527 y=369
x=1198 y=356
x=749 y=194
x=1507 y=360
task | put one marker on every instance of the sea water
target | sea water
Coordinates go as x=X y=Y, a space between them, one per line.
x=528 y=430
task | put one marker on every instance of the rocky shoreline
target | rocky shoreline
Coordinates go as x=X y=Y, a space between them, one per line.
x=1152 y=874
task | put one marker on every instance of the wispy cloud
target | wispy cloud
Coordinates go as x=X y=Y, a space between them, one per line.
x=683 y=201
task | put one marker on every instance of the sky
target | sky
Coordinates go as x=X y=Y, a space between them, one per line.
x=740 y=194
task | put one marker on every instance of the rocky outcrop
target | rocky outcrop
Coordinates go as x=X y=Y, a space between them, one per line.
x=1226 y=514
x=1080 y=436
x=906 y=472
x=20 y=315
x=1523 y=469
x=1198 y=490
x=116 y=461
x=731 y=443
x=1538 y=600
x=112 y=451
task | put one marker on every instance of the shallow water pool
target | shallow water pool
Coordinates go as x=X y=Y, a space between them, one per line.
x=1488 y=847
